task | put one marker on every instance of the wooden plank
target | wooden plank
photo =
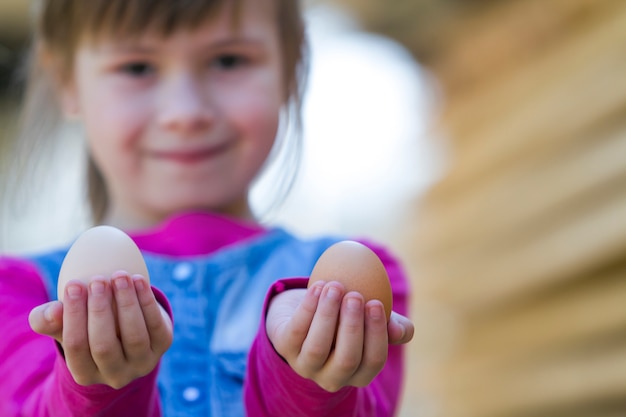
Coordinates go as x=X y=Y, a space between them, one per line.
x=568 y=381
x=506 y=35
x=590 y=311
x=498 y=210
x=522 y=111
x=562 y=252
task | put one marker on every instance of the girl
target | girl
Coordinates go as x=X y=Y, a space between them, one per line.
x=181 y=104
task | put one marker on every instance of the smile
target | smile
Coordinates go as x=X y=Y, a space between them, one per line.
x=188 y=156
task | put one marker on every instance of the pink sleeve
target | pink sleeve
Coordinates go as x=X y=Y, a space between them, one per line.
x=272 y=388
x=35 y=380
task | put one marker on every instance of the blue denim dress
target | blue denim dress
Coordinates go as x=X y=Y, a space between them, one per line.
x=217 y=302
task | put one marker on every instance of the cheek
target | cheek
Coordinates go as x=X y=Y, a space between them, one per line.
x=109 y=109
x=254 y=107
x=261 y=127
x=112 y=134
x=110 y=120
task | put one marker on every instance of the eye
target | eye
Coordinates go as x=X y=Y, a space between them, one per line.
x=137 y=69
x=229 y=61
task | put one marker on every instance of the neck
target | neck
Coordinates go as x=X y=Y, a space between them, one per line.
x=131 y=220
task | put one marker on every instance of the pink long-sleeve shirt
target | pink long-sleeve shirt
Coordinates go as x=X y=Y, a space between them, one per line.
x=36 y=382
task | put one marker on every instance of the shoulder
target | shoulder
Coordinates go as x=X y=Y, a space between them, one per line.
x=309 y=245
x=11 y=266
x=19 y=275
x=286 y=244
x=26 y=271
x=315 y=245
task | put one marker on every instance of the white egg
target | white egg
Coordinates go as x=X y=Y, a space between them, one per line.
x=100 y=251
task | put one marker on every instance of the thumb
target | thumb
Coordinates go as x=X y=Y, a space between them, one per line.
x=400 y=329
x=47 y=319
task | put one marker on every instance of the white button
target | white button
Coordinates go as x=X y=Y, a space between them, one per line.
x=182 y=271
x=191 y=394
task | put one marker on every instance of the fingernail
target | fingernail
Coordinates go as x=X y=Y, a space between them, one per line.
x=47 y=314
x=376 y=311
x=74 y=291
x=333 y=293
x=139 y=282
x=317 y=289
x=353 y=304
x=402 y=326
x=97 y=287
x=121 y=283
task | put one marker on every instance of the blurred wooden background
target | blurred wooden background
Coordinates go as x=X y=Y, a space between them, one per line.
x=520 y=250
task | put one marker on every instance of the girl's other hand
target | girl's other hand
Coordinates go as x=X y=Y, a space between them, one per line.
x=112 y=331
x=333 y=337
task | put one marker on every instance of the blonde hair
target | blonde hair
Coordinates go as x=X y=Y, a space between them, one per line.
x=58 y=30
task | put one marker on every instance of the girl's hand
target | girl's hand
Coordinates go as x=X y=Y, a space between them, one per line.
x=331 y=337
x=111 y=332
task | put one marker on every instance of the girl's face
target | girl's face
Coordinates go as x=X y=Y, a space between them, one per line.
x=183 y=122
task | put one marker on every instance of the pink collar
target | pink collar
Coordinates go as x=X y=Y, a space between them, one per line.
x=195 y=233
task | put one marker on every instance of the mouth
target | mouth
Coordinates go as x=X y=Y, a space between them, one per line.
x=189 y=156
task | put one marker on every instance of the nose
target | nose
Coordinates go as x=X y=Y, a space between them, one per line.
x=185 y=107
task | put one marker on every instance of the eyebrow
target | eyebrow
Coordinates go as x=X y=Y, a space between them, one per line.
x=141 y=48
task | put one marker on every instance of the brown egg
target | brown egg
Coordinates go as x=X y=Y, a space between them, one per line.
x=101 y=250
x=358 y=268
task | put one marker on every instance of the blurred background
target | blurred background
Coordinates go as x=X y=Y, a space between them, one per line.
x=485 y=143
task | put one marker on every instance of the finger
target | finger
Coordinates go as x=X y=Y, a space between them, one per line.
x=157 y=322
x=346 y=357
x=47 y=319
x=400 y=329
x=132 y=326
x=75 y=339
x=297 y=326
x=321 y=336
x=104 y=344
x=375 y=346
